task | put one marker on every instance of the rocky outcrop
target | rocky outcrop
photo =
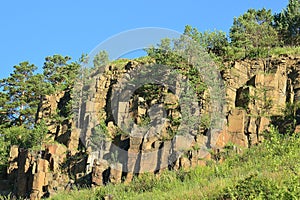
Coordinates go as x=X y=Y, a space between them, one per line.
x=110 y=144
x=37 y=174
x=260 y=89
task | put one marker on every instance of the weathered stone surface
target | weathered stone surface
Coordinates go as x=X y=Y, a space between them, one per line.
x=112 y=129
x=129 y=177
x=57 y=155
x=90 y=107
x=149 y=139
x=73 y=141
x=163 y=154
x=252 y=125
x=115 y=175
x=39 y=180
x=223 y=139
x=133 y=161
x=236 y=121
x=239 y=139
x=263 y=125
x=56 y=149
x=24 y=160
x=171 y=101
x=182 y=142
x=148 y=161
x=184 y=163
x=201 y=140
x=297 y=129
x=271 y=91
x=230 y=98
x=100 y=172
x=200 y=157
x=42 y=165
x=13 y=162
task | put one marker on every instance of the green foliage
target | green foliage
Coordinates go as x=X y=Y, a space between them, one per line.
x=145 y=182
x=59 y=72
x=4 y=118
x=205 y=121
x=20 y=96
x=214 y=42
x=293 y=51
x=99 y=136
x=284 y=183
x=145 y=121
x=166 y=54
x=253 y=188
x=149 y=92
x=24 y=137
x=101 y=59
x=3 y=152
x=286 y=123
x=253 y=32
x=9 y=197
x=287 y=23
x=267 y=171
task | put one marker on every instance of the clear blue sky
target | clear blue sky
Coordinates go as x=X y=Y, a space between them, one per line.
x=31 y=30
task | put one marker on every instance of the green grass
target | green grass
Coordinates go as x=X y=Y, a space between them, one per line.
x=268 y=171
x=238 y=54
x=291 y=51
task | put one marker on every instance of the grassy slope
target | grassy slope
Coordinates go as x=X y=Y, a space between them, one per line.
x=270 y=170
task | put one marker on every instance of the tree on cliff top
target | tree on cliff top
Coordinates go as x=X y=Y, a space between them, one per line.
x=253 y=32
x=214 y=42
x=59 y=72
x=101 y=59
x=287 y=23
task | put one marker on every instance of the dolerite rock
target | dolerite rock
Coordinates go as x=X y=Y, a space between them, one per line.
x=13 y=163
x=24 y=174
x=255 y=90
x=100 y=173
x=39 y=181
x=236 y=127
x=115 y=175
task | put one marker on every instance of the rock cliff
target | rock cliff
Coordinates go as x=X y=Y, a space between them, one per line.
x=95 y=150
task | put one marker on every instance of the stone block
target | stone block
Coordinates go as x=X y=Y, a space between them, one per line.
x=115 y=175
x=236 y=120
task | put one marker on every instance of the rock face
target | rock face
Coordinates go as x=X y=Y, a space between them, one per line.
x=256 y=90
x=260 y=89
x=37 y=174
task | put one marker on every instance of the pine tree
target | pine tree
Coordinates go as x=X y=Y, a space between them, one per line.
x=59 y=72
x=19 y=98
x=213 y=42
x=101 y=59
x=253 y=32
x=287 y=23
x=4 y=120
